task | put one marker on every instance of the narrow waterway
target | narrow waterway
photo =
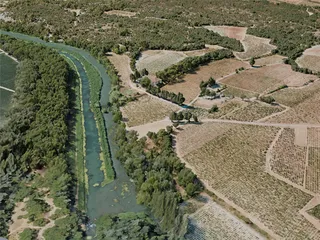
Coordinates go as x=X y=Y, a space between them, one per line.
x=119 y=195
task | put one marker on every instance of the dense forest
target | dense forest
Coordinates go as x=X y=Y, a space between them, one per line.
x=36 y=138
x=290 y=26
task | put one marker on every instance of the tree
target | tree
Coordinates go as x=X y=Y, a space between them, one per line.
x=195 y=118
x=145 y=82
x=213 y=109
x=169 y=129
x=144 y=72
x=211 y=82
x=176 y=125
x=173 y=116
x=252 y=61
x=267 y=99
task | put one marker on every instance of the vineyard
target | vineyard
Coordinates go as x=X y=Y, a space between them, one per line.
x=289 y=159
x=313 y=170
x=214 y=222
x=146 y=109
x=273 y=59
x=234 y=164
x=253 y=111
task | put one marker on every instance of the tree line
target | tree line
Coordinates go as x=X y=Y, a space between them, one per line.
x=36 y=134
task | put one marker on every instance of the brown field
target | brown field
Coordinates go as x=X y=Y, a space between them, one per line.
x=209 y=48
x=289 y=159
x=238 y=33
x=291 y=97
x=237 y=92
x=310 y=59
x=313 y=137
x=190 y=84
x=306 y=112
x=192 y=137
x=120 y=13
x=234 y=164
x=157 y=60
x=265 y=79
x=273 y=59
x=255 y=47
x=147 y=109
x=253 y=112
x=302 y=2
x=313 y=170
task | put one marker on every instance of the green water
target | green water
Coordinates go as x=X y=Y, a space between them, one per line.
x=118 y=196
x=8 y=69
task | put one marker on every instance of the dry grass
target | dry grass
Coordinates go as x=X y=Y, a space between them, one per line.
x=209 y=48
x=189 y=86
x=289 y=159
x=236 y=92
x=253 y=111
x=309 y=61
x=193 y=137
x=254 y=47
x=313 y=137
x=157 y=60
x=238 y=33
x=234 y=164
x=214 y=222
x=291 y=97
x=302 y=2
x=146 y=109
x=273 y=59
x=267 y=78
x=120 y=13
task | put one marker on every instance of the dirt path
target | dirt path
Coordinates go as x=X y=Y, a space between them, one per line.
x=227 y=201
x=311 y=204
x=269 y=151
x=275 y=114
x=8 y=89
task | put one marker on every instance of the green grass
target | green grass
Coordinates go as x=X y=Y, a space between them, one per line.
x=77 y=151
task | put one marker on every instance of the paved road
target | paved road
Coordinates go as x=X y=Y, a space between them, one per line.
x=8 y=89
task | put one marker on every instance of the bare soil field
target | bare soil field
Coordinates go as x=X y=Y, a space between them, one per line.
x=254 y=47
x=237 y=92
x=265 y=79
x=120 y=13
x=209 y=48
x=189 y=86
x=273 y=59
x=157 y=60
x=146 y=109
x=238 y=33
x=300 y=2
x=291 y=97
x=142 y=130
x=233 y=164
x=253 y=111
x=313 y=137
x=310 y=59
x=214 y=222
x=289 y=159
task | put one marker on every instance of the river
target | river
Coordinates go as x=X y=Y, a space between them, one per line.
x=119 y=195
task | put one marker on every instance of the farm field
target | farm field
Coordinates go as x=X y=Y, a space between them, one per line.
x=233 y=163
x=189 y=86
x=157 y=60
x=289 y=159
x=273 y=59
x=291 y=96
x=254 y=47
x=146 y=109
x=310 y=58
x=302 y=2
x=238 y=92
x=253 y=112
x=313 y=170
x=238 y=33
x=265 y=79
x=214 y=222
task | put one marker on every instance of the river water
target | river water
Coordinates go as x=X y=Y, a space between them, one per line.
x=118 y=196
x=8 y=69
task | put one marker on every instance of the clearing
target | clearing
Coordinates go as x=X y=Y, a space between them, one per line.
x=254 y=47
x=147 y=109
x=120 y=13
x=190 y=85
x=233 y=164
x=269 y=60
x=142 y=130
x=238 y=33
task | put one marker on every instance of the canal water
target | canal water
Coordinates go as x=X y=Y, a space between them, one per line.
x=118 y=196
x=8 y=69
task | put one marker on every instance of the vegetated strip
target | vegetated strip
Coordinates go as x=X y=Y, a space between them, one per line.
x=36 y=137
x=78 y=154
x=95 y=83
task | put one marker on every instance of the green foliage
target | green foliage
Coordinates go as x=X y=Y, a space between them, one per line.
x=189 y=64
x=170 y=96
x=214 y=109
x=252 y=61
x=189 y=181
x=315 y=211
x=127 y=226
x=35 y=207
x=267 y=99
x=145 y=82
x=28 y=234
